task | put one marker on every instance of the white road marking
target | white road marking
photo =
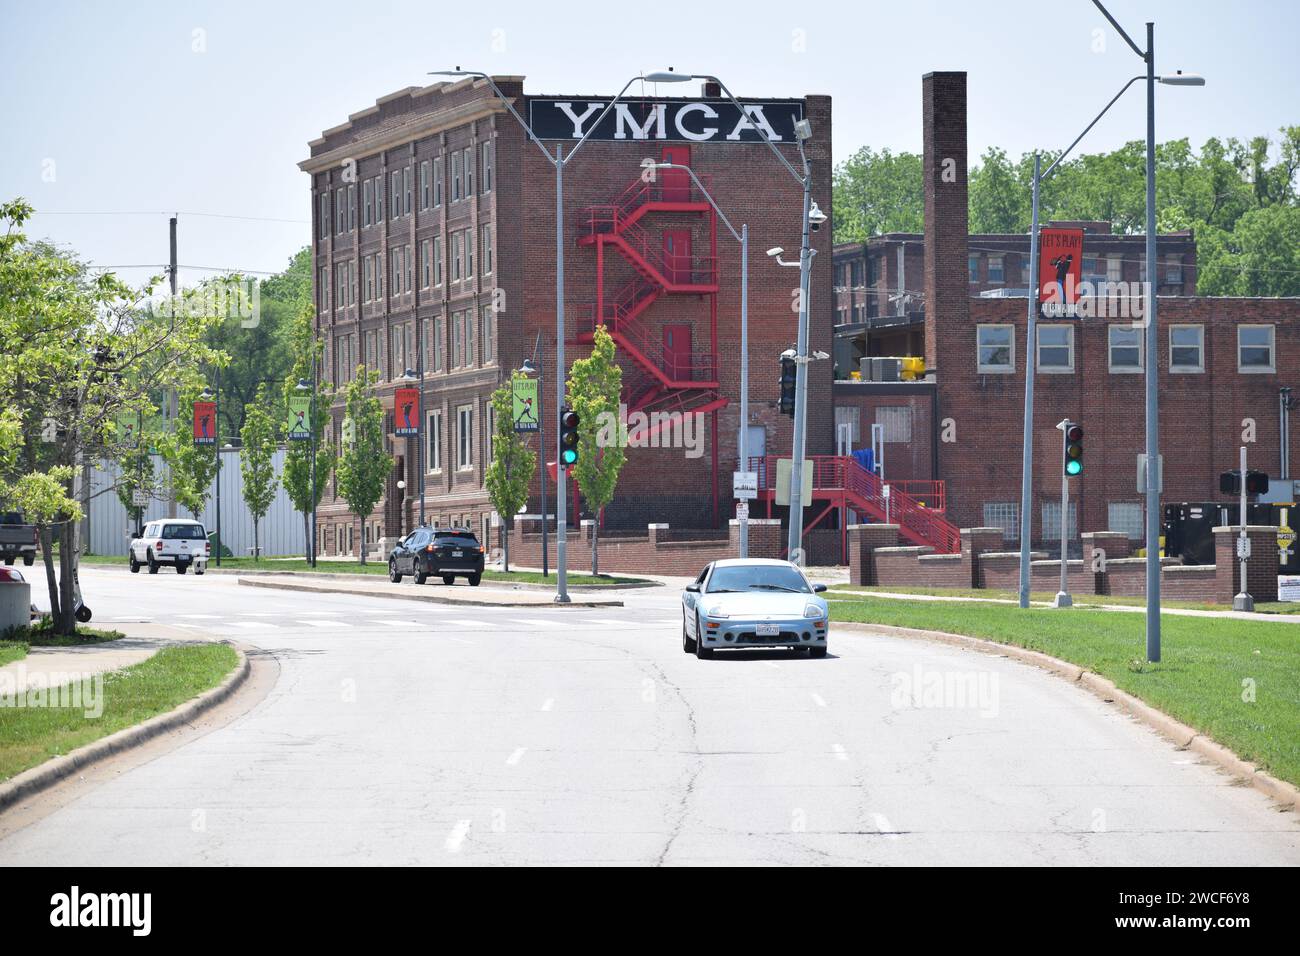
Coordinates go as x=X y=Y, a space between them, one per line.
x=201 y=617
x=548 y=704
x=338 y=624
x=515 y=757
x=326 y=613
x=819 y=700
x=457 y=836
x=883 y=826
x=253 y=625
x=608 y=622
x=544 y=623
x=840 y=752
x=459 y=623
x=397 y=623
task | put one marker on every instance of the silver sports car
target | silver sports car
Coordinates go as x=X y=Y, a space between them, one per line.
x=753 y=602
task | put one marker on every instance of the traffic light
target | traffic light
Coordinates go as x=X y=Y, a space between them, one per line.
x=788 y=377
x=1230 y=482
x=568 y=437
x=1073 y=450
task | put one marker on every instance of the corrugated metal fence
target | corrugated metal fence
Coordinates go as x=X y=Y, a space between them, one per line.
x=280 y=532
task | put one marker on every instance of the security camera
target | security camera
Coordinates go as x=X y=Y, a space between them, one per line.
x=775 y=251
x=815 y=217
x=789 y=354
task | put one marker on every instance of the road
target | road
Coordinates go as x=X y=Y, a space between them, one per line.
x=404 y=732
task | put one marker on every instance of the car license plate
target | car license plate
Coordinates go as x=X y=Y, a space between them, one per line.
x=458 y=554
x=769 y=630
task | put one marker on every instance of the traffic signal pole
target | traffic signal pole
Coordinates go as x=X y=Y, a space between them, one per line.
x=1243 y=601
x=1063 y=598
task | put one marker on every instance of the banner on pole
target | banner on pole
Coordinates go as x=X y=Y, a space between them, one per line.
x=298 y=423
x=524 y=394
x=1060 y=270
x=205 y=423
x=406 y=411
x=349 y=431
x=128 y=426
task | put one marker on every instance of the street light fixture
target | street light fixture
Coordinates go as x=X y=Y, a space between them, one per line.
x=306 y=386
x=559 y=161
x=209 y=395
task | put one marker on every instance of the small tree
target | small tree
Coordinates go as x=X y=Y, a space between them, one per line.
x=365 y=464
x=513 y=463
x=257 y=438
x=593 y=390
x=193 y=466
x=297 y=478
x=136 y=473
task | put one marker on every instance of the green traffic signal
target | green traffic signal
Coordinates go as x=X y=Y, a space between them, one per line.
x=1073 y=467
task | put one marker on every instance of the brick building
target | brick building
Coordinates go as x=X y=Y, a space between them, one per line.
x=1222 y=363
x=434 y=238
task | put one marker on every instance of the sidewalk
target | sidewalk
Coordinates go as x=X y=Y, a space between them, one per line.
x=56 y=666
x=481 y=596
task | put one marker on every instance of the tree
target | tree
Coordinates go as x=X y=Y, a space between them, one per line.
x=257 y=446
x=593 y=388
x=365 y=464
x=135 y=473
x=1000 y=199
x=297 y=477
x=82 y=351
x=510 y=472
x=193 y=466
x=878 y=192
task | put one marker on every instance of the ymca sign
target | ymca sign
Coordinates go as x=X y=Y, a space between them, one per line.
x=704 y=121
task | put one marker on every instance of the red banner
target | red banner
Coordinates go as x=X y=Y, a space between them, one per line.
x=1060 y=270
x=205 y=423
x=406 y=411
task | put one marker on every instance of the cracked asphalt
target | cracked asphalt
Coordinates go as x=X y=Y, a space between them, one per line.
x=410 y=733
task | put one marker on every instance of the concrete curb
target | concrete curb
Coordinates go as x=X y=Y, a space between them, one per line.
x=1286 y=795
x=45 y=775
x=417 y=596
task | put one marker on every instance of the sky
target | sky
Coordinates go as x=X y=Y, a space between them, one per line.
x=117 y=115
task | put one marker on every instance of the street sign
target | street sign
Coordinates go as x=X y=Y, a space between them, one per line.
x=1288 y=587
x=139 y=497
x=784 y=468
x=744 y=484
x=1285 y=537
x=742 y=511
x=1243 y=548
x=406 y=411
x=523 y=394
x=297 y=427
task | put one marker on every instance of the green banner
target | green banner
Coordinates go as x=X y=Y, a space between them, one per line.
x=128 y=426
x=297 y=425
x=524 y=393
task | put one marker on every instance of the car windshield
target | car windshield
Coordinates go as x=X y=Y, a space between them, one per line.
x=456 y=541
x=757 y=577
x=188 y=532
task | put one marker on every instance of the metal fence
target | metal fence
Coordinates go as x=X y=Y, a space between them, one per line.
x=280 y=532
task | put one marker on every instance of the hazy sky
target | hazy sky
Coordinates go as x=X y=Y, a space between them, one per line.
x=153 y=107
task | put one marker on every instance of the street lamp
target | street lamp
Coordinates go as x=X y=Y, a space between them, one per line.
x=559 y=161
x=531 y=367
x=410 y=377
x=215 y=397
x=306 y=386
x=742 y=447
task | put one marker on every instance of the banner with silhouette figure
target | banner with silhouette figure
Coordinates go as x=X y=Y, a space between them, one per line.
x=1060 y=270
x=406 y=411
x=205 y=423
x=298 y=422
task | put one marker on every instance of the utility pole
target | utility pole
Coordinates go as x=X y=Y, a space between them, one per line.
x=173 y=401
x=1243 y=601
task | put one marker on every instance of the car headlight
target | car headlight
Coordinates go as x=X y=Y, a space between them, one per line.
x=813 y=612
x=717 y=612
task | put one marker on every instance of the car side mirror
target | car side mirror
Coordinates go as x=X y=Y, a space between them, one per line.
x=693 y=588
x=818 y=588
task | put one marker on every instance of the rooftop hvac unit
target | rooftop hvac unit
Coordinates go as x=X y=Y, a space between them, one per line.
x=877 y=369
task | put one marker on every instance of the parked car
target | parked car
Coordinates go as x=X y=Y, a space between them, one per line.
x=17 y=539
x=179 y=542
x=448 y=553
x=754 y=602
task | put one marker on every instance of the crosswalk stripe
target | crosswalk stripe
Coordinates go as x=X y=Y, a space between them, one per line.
x=459 y=623
x=539 y=622
x=324 y=623
x=251 y=625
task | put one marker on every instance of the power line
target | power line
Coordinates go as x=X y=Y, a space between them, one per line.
x=206 y=215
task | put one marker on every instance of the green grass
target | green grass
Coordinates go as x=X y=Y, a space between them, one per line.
x=30 y=735
x=1084 y=600
x=354 y=567
x=1199 y=681
x=11 y=651
x=15 y=646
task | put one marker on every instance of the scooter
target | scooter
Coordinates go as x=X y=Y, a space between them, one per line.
x=80 y=610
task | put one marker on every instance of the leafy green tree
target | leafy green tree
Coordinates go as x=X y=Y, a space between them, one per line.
x=193 y=466
x=365 y=464
x=511 y=471
x=877 y=192
x=1000 y=198
x=257 y=446
x=297 y=477
x=82 y=351
x=136 y=473
x=593 y=390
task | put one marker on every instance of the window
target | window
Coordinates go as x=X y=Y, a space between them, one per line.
x=456 y=261
x=426 y=265
x=1255 y=348
x=352 y=282
x=352 y=207
x=367 y=202
x=973 y=267
x=425 y=185
x=487 y=167
x=1114 y=268
x=433 y=428
x=406 y=190
x=395 y=271
x=1052 y=521
x=1186 y=348
x=1056 y=348
x=487 y=250
x=465 y=437
x=370 y=279
x=341 y=285
x=437 y=260
x=1174 y=270
x=397 y=342
x=437 y=182
x=469 y=252
x=379 y=199
x=468 y=338
x=395 y=209
x=1004 y=515
x=455 y=175
x=323 y=288
x=895 y=422
x=489 y=335
x=1125 y=343
x=410 y=267
x=1025 y=275
x=469 y=171
x=457 y=349
x=379 y=276
x=435 y=345
x=324 y=216
x=996 y=347
x=340 y=211
x=850 y=417
x=1125 y=516
x=995 y=269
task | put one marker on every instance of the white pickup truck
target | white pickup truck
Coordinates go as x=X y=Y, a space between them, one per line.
x=179 y=542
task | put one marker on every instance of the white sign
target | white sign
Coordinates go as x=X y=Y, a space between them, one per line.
x=139 y=497
x=1288 y=587
x=742 y=511
x=744 y=484
x=885 y=490
x=1243 y=548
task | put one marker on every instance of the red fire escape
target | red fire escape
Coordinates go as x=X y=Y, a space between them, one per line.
x=665 y=373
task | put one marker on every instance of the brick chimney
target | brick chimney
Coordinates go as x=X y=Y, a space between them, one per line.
x=947 y=294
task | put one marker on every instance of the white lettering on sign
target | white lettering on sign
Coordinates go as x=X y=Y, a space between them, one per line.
x=705 y=110
x=578 y=121
x=753 y=119
x=657 y=119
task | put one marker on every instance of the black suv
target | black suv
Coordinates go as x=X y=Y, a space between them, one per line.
x=448 y=553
